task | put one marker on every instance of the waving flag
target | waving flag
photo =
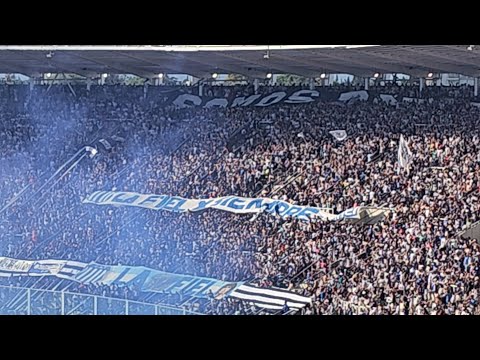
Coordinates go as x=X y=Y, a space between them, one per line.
x=106 y=144
x=271 y=298
x=340 y=135
x=404 y=153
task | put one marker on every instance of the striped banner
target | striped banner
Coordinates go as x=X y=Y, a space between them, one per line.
x=71 y=269
x=150 y=280
x=92 y=273
x=271 y=298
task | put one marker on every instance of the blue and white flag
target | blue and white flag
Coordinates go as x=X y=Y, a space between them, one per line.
x=92 y=273
x=124 y=275
x=70 y=269
x=234 y=204
x=151 y=280
x=193 y=286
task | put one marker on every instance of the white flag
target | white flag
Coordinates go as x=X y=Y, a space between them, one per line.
x=353 y=96
x=118 y=138
x=389 y=99
x=106 y=144
x=340 y=135
x=404 y=153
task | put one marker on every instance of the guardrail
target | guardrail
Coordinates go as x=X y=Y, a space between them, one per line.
x=29 y=301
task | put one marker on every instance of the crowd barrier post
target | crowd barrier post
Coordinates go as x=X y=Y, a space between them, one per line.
x=29 y=311
x=95 y=306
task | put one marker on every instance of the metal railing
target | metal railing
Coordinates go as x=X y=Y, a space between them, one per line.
x=29 y=301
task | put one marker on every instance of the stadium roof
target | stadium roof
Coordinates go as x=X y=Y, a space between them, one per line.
x=249 y=60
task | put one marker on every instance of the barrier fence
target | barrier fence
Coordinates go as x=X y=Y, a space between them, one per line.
x=25 y=301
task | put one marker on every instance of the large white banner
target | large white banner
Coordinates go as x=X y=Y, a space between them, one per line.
x=47 y=267
x=234 y=204
x=16 y=267
x=9 y=267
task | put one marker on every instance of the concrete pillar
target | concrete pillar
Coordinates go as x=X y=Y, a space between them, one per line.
x=312 y=84
x=255 y=86
x=326 y=80
x=422 y=84
x=32 y=83
x=200 y=89
x=367 y=82
x=475 y=86
x=159 y=80
x=89 y=83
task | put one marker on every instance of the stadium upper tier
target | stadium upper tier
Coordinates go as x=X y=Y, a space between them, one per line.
x=251 y=61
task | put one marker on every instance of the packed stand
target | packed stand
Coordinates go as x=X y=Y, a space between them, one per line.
x=413 y=262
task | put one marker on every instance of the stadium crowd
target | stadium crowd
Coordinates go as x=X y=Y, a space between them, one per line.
x=412 y=262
